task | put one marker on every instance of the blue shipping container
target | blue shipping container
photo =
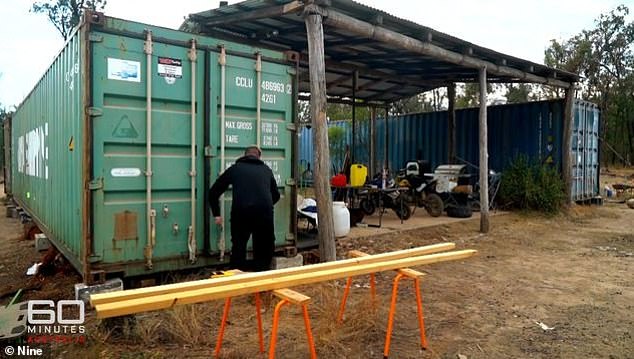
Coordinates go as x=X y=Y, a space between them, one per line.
x=534 y=129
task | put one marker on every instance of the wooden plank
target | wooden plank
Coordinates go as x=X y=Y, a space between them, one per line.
x=404 y=271
x=166 y=301
x=484 y=154
x=247 y=277
x=323 y=196
x=292 y=296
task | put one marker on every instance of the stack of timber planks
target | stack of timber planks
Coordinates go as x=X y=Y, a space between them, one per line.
x=167 y=296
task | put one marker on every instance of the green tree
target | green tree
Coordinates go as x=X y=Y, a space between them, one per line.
x=424 y=102
x=603 y=56
x=470 y=96
x=66 y=14
x=337 y=143
x=518 y=93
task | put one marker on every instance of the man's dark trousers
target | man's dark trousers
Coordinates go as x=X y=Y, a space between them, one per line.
x=259 y=225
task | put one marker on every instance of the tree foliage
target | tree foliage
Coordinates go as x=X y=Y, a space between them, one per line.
x=468 y=95
x=603 y=56
x=518 y=93
x=338 y=144
x=66 y=14
x=424 y=102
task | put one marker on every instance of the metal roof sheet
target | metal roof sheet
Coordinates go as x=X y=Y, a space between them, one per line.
x=386 y=72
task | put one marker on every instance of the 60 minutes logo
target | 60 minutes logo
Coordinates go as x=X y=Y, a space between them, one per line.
x=53 y=316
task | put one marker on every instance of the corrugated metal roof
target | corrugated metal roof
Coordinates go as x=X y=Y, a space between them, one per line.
x=387 y=72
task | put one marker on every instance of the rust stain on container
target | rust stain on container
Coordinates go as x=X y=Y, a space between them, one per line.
x=125 y=225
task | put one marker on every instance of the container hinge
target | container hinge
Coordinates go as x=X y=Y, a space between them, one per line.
x=94 y=258
x=209 y=153
x=94 y=111
x=95 y=38
x=95 y=184
x=291 y=71
x=290 y=182
x=291 y=126
x=290 y=237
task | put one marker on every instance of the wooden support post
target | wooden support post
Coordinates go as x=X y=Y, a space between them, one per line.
x=353 y=148
x=484 y=155
x=386 y=152
x=326 y=233
x=451 y=123
x=566 y=151
x=372 y=141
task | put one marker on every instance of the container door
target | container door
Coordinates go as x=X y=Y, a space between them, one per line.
x=120 y=153
x=587 y=151
x=241 y=124
x=593 y=146
x=577 y=151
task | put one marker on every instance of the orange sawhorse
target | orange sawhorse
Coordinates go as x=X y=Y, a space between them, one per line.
x=401 y=273
x=287 y=296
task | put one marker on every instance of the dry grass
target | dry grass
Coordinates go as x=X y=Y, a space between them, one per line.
x=192 y=329
x=336 y=340
x=188 y=324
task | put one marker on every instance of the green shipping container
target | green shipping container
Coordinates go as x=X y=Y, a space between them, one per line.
x=82 y=167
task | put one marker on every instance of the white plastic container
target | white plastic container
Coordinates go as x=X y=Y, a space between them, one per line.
x=341 y=217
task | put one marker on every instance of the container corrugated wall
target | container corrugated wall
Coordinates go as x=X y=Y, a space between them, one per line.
x=2 y=150
x=6 y=130
x=49 y=133
x=534 y=129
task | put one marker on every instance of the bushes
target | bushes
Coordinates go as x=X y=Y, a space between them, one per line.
x=532 y=186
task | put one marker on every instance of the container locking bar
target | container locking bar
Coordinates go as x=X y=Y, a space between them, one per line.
x=150 y=213
x=222 y=60
x=191 y=240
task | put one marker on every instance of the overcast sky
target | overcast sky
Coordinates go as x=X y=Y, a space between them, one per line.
x=522 y=28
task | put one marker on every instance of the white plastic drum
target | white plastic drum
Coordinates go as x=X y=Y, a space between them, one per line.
x=341 y=219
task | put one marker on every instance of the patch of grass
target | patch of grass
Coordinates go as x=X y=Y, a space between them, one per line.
x=188 y=324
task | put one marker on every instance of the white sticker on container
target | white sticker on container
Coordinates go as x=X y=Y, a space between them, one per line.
x=169 y=67
x=125 y=172
x=124 y=70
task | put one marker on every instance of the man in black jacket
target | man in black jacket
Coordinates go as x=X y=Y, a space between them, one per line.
x=254 y=193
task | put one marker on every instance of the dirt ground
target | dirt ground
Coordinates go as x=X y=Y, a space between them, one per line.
x=572 y=272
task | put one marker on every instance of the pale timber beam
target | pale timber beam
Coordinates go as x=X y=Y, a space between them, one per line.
x=167 y=301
